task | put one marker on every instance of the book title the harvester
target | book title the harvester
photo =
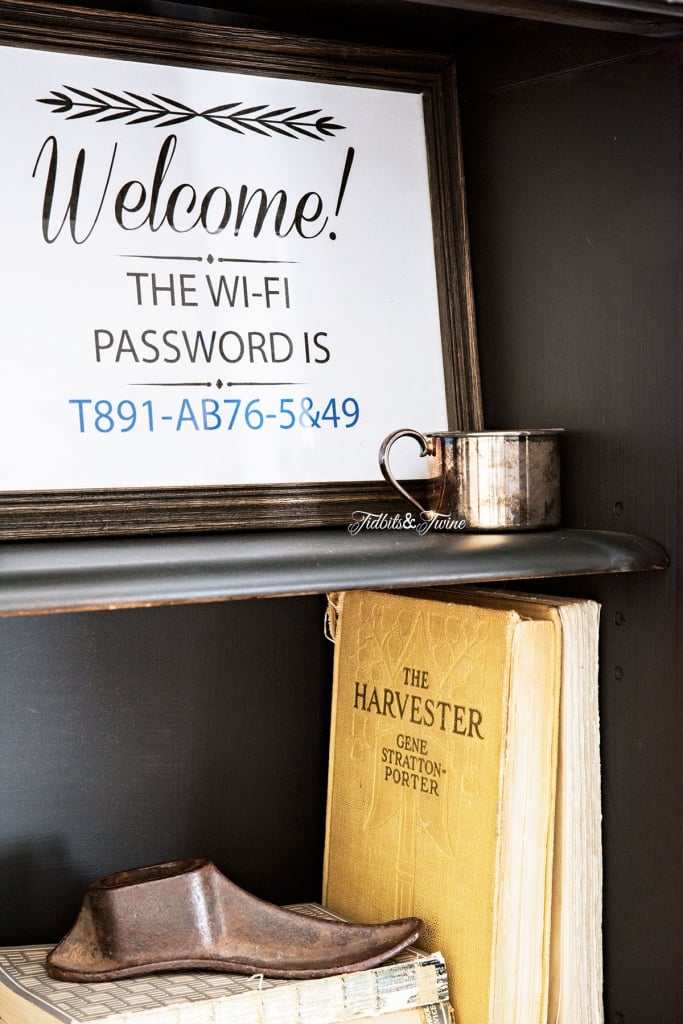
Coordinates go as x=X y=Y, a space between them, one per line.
x=410 y=760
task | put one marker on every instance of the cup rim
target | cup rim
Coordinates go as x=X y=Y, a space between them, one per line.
x=513 y=434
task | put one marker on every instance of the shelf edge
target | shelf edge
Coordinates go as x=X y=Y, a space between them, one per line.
x=114 y=573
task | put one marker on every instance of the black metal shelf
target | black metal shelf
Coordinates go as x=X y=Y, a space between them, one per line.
x=123 y=572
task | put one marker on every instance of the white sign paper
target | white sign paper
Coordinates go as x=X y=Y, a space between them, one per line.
x=210 y=278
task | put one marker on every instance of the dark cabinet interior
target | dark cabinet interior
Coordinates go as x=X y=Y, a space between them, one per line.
x=136 y=736
x=133 y=735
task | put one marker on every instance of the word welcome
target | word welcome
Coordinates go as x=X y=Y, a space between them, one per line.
x=137 y=204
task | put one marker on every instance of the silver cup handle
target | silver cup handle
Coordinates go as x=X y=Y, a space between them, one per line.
x=427 y=448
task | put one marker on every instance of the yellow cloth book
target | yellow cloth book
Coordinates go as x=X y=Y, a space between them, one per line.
x=464 y=788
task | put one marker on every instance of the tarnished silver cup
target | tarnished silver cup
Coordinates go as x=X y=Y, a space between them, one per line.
x=489 y=480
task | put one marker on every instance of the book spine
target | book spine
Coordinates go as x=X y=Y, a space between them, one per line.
x=432 y=1013
x=342 y=999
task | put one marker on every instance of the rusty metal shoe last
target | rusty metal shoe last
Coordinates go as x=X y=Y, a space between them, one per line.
x=185 y=915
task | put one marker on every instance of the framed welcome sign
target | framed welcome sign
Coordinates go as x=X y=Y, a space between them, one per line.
x=232 y=263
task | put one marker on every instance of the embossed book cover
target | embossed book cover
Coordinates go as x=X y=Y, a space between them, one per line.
x=443 y=790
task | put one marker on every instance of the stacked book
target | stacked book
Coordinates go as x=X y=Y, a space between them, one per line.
x=410 y=989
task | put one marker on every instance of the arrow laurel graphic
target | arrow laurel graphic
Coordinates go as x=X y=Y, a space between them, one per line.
x=163 y=112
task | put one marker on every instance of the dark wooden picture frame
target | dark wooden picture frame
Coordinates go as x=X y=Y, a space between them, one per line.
x=28 y=514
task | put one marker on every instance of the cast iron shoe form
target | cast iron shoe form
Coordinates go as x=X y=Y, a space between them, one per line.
x=185 y=915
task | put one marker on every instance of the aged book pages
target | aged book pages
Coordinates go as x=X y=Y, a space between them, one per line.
x=576 y=975
x=576 y=971
x=432 y=1013
x=442 y=791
